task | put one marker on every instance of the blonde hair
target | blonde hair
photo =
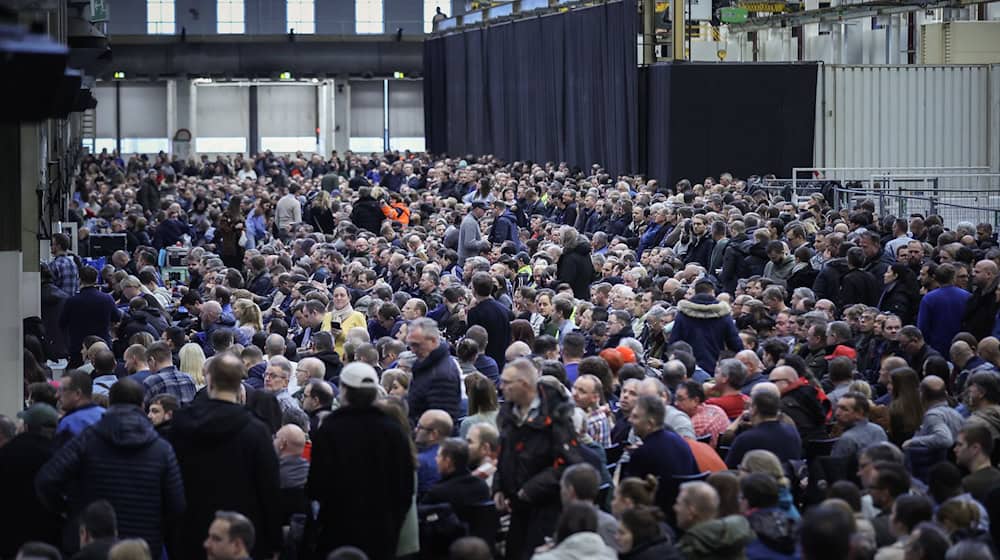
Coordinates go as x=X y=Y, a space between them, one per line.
x=130 y=549
x=192 y=359
x=764 y=462
x=959 y=513
x=248 y=314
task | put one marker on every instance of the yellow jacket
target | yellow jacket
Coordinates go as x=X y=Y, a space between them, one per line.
x=355 y=319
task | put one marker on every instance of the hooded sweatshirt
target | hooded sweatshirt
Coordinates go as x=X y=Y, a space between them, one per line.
x=227 y=458
x=718 y=539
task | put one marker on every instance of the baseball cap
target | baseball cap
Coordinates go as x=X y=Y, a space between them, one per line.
x=359 y=375
x=39 y=415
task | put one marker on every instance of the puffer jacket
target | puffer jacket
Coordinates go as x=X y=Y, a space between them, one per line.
x=436 y=384
x=718 y=539
x=827 y=285
x=707 y=325
x=776 y=535
x=123 y=460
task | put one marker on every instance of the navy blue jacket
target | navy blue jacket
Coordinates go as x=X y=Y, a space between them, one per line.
x=436 y=385
x=663 y=454
x=707 y=325
x=775 y=436
x=505 y=229
x=496 y=319
x=89 y=312
x=120 y=459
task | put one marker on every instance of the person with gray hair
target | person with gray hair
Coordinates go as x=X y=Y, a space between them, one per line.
x=274 y=345
x=306 y=369
x=672 y=417
x=729 y=379
x=652 y=337
x=537 y=442
x=436 y=380
x=276 y=378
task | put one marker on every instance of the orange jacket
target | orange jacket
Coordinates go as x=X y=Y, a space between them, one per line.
x=397 y=212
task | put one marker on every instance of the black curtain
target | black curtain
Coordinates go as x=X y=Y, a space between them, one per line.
x=435 y=97
x=559 y=87
x=748 y=119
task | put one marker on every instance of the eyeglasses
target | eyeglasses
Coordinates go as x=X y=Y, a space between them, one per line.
x=424 y=428
x=275 y=375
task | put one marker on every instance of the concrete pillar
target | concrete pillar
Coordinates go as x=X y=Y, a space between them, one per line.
x=21 y=151
x=341 y=115
x=193 y=114
x=171 y=114
x=325 y=117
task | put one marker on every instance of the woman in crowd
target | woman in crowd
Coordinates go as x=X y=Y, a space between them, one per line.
x=905 y=411
x=482 y=395
x=192 y=359
x=342 y=318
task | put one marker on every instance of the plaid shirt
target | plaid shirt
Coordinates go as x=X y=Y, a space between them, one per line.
x=65 y=274
x=709 y=419
x=599 y=428
x=169 y=380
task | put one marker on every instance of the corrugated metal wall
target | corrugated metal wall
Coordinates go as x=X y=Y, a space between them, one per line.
x=908 y=116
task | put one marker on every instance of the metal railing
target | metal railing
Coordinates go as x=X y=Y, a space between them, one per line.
x=904 y=205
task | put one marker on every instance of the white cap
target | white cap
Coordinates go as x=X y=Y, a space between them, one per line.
x=359 y=375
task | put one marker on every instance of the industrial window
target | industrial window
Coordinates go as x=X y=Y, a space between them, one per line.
x=288 y=144
x=160 y=17
x=368 y=16
x=430 y=10
x=221 y=145
x=231 y=17
x=301 y=16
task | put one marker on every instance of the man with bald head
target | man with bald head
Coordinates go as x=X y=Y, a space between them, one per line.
x=941 y=423
x=967 y=363
x=289 y=443
x=981 y=308
x=989 y=350
x=673 y=418
x=433 y=427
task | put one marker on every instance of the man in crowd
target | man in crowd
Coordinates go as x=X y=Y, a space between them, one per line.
x=362 y=471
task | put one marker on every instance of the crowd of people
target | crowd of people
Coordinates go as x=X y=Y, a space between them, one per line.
x=404 y=356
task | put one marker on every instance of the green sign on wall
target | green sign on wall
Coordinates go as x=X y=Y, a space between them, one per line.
x=98 y=10
x=733 y=15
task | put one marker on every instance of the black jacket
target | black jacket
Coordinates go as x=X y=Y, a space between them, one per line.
x=533 y=454
x=981 y=312
x=902 y=299
x=227 y=459
x=362 y=475
x=20 y=461
x=827 y=285
x=333 y=365
x=732 y=260
x=459 y=490
x=123 y=460
x=700 y=251
x=436 y=384
x=858 y=286
x=656 y=549
x=367 y=214
x=576 y=269
x=803 y=406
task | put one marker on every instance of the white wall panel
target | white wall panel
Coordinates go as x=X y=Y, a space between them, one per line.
x=905 y=116
x=367 y=108
x=286 y=111
x=144 y=110
x=406 y=108
x=223 y=111
x=105 y=95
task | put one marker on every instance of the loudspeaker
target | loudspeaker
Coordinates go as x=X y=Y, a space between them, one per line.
x=105 y=244
x=34 y=67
